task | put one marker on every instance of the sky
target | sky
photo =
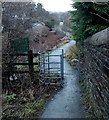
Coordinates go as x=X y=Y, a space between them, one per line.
x=55 y=5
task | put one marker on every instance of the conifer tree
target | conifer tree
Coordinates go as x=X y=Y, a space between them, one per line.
x=89 y=18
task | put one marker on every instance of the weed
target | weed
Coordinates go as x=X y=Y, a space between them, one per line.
x=35 y=59
x=11 y=97
x=36 y=68
x=23 y=99
x=21 y=66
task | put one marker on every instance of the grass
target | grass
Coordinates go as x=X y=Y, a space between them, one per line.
x=21 y=66
x=33 y=108
x=52 y=75
x=71 y=54
x=89 y=103
x=24 y=110
x=35 y=60
x=85 y=96
x=61 y=43
x=23 y=106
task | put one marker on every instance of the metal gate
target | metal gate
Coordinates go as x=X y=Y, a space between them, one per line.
x=51 y=66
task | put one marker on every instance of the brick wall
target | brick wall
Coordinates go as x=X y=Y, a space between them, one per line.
x=96 y=72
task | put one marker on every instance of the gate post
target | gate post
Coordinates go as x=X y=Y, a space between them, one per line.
x=48 y=63
x=79 y=64
x=31 y=66
x=39 y=64
x=62 y=64
x=44 y=63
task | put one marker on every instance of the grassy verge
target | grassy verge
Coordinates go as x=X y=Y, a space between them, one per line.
x=72 y=56
x=22 y=110
x=23 y=107
x=85 y=97
x=26 y=98
x=61 y=43
x=90 y=105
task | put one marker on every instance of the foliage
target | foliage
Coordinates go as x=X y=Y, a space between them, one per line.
x=89 y=18
x=23 y=99
x=17 y=15
x=21 y=66
x=16 y=19
x=65 y=17
x=11 y=97
x=27 y=109
x=41 y=15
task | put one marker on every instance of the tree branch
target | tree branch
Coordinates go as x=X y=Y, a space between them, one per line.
x=100 y=16
x=106 y=14
x=100 y=3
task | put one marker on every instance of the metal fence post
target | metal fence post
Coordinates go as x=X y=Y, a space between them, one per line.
x=39 y=63
x=62 y=64
x=48 y=63
x=44 y=62
x=79 y=64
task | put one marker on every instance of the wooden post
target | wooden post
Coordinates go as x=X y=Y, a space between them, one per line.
x=31 y=66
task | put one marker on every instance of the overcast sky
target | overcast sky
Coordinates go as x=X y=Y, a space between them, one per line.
x=56 y=5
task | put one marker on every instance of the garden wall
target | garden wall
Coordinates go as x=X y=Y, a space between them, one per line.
x=96 y=72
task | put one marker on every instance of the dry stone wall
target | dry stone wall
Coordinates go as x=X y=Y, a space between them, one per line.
x=96 y=72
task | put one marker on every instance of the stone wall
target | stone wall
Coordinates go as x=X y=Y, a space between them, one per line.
x=96 y=72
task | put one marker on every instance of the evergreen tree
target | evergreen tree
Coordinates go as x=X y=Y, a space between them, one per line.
x=89 y=18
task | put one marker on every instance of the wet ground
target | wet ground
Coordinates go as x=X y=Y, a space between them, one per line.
x=67 y=102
